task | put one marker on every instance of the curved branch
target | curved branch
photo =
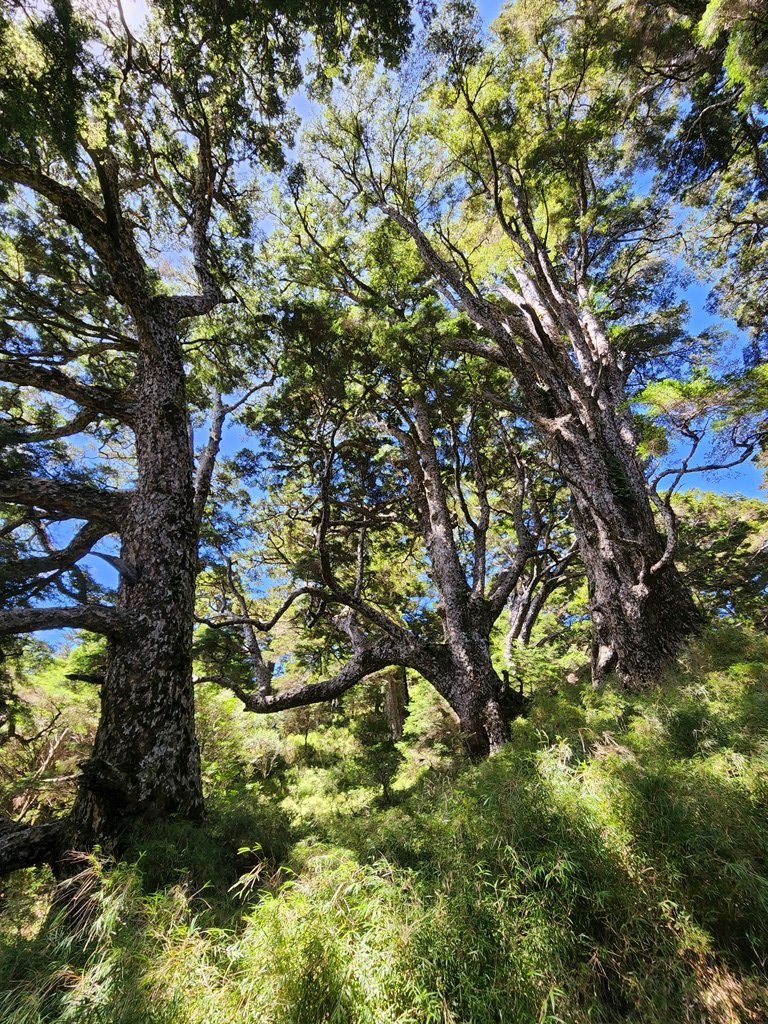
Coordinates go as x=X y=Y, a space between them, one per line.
x=476 y=348
x=78 y=211
x=207 y=458
x=76 y=501
x=77 y=548
x=96 y=618
x=748 y=448
x=664 y=505
x=262 y=625
x=371 y=659
x=89 y=396
x=80 y=422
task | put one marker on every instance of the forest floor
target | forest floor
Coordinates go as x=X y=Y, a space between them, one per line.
x=610 y=865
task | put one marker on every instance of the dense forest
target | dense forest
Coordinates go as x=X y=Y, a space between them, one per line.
x=383 y=576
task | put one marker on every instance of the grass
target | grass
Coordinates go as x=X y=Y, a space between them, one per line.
x=611 y=865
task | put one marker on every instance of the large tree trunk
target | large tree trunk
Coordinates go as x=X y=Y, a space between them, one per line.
x=464 y=675
x=145 y=761
x=641 y=610
x=640 y=619
x=483 y=707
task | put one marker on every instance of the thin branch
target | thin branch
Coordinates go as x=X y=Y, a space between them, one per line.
x=664 y=505
x=95 y=678
x=262 y=625
x=261 y=665
x=207 y=459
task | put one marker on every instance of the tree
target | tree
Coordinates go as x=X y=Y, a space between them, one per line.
x=510 y=169
x=379 y=458
x=126 y=162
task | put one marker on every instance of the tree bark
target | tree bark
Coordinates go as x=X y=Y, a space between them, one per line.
x=477 y=695
x=464 y=675
x=24 y=846
x=145 y=762
x=396 y=701
x=641 y=610
x=641 y=614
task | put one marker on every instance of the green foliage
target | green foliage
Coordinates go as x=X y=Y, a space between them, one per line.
x=746 y=55
x=47 y=725
x=608 y=866
x=379 y=757
x=724 y=553
x=46 y=76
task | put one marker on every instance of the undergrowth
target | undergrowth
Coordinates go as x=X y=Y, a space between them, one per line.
x=610 y=865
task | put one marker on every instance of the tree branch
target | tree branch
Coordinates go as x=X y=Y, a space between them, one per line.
x=79 y=546
x=25 y=846
x=76 y=501
x=506 y=581
x=261 y=665
x=211 y=295
x=371 y=659
x=96 y=618
x=339 y=592
x=89 y=396
x=476 y=348
x=76 y=425
x=262 y=625
x=207 y=459
x=664 y=505
x=102 y=228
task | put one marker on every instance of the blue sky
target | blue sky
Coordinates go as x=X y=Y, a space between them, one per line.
x=489 y=9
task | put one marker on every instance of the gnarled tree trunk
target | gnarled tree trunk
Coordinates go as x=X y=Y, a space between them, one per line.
x=462 y=673
x=573 y=389
x=483 y=713
x=145 y=761
x=641 y=610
